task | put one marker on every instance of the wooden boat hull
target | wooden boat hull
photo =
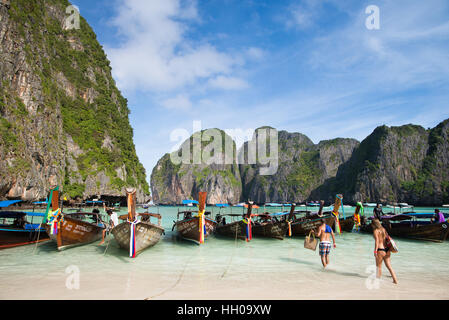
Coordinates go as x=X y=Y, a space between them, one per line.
x=147 y=235
x=346 y=224
x=414 y=230
x=15 y=237
x=276 y=230
x=74 y=232
x=188 y=229
x=232 y=230
x=302 y=226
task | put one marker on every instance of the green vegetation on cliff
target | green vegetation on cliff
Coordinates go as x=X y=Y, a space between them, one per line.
x=96 y=110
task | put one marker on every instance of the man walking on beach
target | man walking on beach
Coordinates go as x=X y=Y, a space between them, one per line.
x=324 y=233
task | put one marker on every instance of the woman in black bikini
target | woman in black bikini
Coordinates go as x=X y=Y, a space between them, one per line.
x=381 y=253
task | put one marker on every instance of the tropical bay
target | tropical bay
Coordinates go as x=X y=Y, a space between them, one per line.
x=179 y=150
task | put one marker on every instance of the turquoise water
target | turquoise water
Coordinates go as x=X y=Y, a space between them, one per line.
x=222 y=268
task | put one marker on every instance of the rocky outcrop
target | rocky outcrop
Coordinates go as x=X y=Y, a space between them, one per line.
x=392 y=165
x=396 y=164
x=173 y=181
x=302 y=167
x=63 y=121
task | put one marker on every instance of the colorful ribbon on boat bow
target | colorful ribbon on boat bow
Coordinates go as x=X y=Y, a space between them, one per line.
x=289 y=228
x=132 y=238
x=357 y=216
x=54 y=220
x=337 y=218
x=202 y=226
x=249 y=231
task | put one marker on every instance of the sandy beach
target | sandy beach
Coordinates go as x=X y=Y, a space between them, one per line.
x=274 y=270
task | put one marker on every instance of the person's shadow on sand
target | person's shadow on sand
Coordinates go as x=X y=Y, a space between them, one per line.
x=298 y=261
x=343 y=273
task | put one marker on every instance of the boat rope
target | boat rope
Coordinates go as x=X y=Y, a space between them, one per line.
x=232 y=255
x=342 y=207
x=177 y=281
x=37 y=240
x=109 y=238
x=107 y=246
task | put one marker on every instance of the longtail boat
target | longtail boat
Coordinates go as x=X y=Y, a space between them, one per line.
x=414 y=227
x=345 y=224
x=237 y=228
x=301 y=222
x=195 y=228
x=273 y=225
x=72 y=229
x=269 y=227
x=16 y=231
x=134 y=235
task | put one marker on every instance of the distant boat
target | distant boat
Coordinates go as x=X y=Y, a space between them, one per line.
x=147 y=205
x=20 y=232
x=392 y=207
x=189 y=203
x=192 y=227
x=134 y=235
x=222 y=205
x=239 y=205
x=445 y=205
x=273 y=205
x=369 y=204
x=71 y=229
x=313 y=204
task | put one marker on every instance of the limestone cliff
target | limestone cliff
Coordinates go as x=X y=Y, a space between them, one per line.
x=63 y=120
x=172 y=182
x=302 y=167
x=393 y=164
x=396 y=164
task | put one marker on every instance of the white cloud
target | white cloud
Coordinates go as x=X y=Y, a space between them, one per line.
x=409 y=50
x=180 y=102
x=302 y=15
x=157 y=54
x=255 y=54
x=228 y=83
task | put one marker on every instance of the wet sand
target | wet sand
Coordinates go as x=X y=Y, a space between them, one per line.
x=230 y=281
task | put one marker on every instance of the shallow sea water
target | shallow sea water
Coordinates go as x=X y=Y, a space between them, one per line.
x=224 y=268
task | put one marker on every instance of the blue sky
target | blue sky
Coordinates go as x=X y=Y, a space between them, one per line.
x=307 y=66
